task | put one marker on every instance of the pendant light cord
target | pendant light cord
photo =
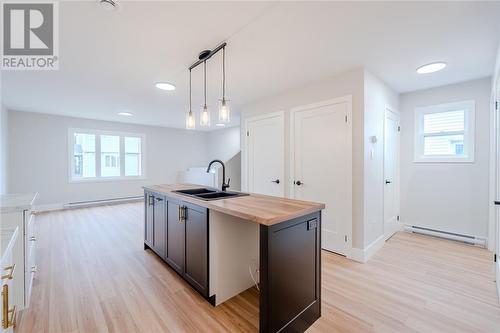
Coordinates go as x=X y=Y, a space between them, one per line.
x=223 y=73
x=190 y=94
x=205 y=79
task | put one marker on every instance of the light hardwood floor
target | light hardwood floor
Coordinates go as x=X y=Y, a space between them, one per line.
x=94 y=276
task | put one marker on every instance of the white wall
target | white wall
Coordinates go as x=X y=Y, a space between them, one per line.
x=4 y=144
x=370 y=97
x=349 y=83
x=39 y=157
x=224 y=144
x=495 y=173
x=4 y=149
x=453 y=197
x=377 y=96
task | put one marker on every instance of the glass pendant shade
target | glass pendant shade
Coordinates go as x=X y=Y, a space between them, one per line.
x=205 y=117
x=190 y=120
x=224 y=111
x=205 y=114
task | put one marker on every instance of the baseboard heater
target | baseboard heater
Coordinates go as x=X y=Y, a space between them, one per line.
x=478 y=241
x=81 y=204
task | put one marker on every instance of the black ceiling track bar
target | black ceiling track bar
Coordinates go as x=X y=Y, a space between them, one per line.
x=204 y=56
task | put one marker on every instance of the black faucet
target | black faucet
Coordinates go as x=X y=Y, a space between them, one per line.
x=224 y=184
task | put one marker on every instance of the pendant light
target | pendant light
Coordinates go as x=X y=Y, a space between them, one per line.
x=190 y=119
x=205 y=114
x=224 y=110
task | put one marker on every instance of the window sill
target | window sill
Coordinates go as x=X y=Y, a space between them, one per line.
x=106 y=179
x=443 y=160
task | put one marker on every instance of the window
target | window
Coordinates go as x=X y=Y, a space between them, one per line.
x=110 y=156
x=445 y=133
x=133 y=158
x=99 y=155
x=84 y=155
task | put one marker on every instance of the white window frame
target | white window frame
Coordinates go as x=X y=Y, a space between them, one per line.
x=98 y=178
x=469 y=137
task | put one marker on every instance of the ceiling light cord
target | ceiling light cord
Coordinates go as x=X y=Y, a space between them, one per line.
x=205 y=80
x=190 y=94
x=223 y=73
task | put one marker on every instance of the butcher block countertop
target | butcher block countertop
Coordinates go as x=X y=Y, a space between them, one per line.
x=257 y=208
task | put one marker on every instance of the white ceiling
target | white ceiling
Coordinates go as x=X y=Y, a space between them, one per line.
x=109 y=61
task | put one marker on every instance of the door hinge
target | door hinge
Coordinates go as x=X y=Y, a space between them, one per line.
x=495 y=257
x=248 y=133
x=399 y=128
x=496 y=105
x=397 y=217
x=346 y=119
x=345 y=238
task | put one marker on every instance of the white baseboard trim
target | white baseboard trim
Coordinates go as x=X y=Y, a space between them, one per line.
x=363 y=255
x=389 y=233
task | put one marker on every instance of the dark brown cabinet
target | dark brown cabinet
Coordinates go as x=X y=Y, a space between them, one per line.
x=178 y=232
x=175 y=237
x=196 y=247
x=149 y=216
x=155 y=223
x=159 y=225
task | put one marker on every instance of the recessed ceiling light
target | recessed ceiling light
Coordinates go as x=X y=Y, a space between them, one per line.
x=165 y=86
x=431 y=68
x=125 y=114
x=220 y=125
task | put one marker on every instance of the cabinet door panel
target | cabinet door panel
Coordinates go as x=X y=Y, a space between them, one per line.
x=159 y=226
x=175 y=238
x=197 y=248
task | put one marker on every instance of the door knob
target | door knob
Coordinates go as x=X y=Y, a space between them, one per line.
x=298 y=183
x=277 y=181
x=388 y=182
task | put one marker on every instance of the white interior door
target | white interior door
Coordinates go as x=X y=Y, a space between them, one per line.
x=391 y=173
x=265 y=154
x=320 y=166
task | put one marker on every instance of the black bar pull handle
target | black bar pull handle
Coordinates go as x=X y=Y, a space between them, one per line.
x=388 y=182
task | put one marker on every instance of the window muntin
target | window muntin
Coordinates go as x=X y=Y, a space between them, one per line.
x=100 y=155
x=445 y=133
x=110 y=156
x=84 y=155
x=133 y=156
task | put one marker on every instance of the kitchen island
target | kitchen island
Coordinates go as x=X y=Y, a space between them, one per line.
x=222 y=247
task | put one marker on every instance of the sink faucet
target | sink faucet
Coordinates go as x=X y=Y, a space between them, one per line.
x=224 y=184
